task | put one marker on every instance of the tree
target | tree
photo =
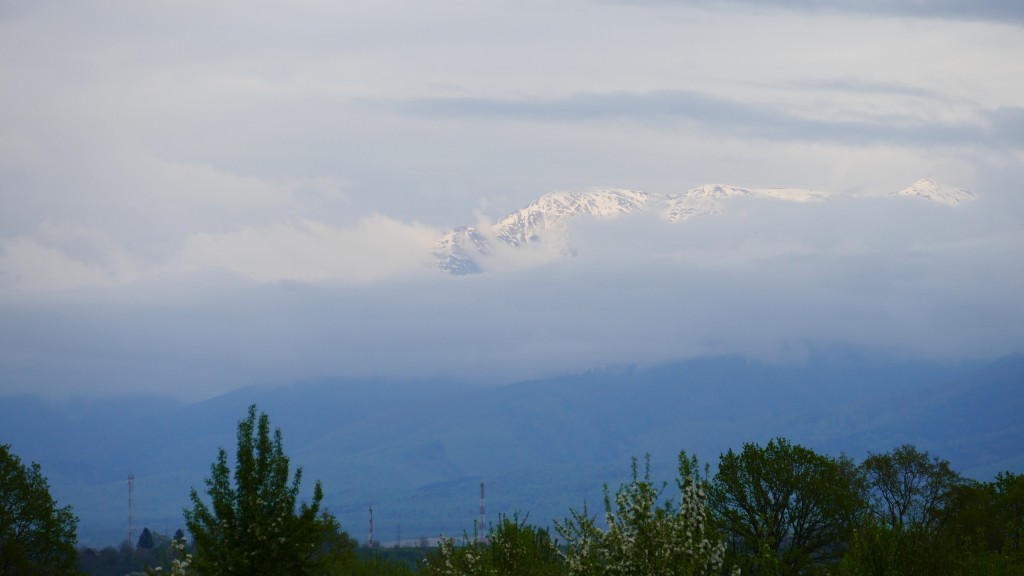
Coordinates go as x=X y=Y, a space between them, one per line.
x=927 y=520
x=784 y=507
x=36 y=537
x=646 y=534
x=145 y=539
x=252 y=527
x=908 y=488
x=990 y=514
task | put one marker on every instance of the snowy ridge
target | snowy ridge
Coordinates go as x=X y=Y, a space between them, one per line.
x=708 y=199
x=931 y=190
x=548 y=219
x=551 y=211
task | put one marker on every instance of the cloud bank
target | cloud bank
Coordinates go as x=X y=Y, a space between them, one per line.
x=197 y=196
x=771 y=280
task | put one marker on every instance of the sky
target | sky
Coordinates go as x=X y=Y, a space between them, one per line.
x=198 y=196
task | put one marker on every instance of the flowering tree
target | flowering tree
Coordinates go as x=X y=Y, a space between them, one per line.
x=514 y=548
x=252 y=527
x=646 y=534
x=181 y=561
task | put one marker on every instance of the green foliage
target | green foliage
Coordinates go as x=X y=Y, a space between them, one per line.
x=880 y=550
x=517 y=548
x=1009 y=490
x=646 y=534
x=976 y=530
x=252 y=527
x=908 y=488
x=36 y=537
x=785 y=508
x=514 y=548
x=379 y=565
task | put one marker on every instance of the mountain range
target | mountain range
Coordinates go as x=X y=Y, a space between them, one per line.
x=549 y=218
x=417 y=451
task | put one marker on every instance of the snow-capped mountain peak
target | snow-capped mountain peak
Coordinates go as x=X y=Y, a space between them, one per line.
x=707 y=199
x=546 y=220
x=721 y=192
x=551 y=211
x=932 y=190
x=455 y=250
x=714 y=192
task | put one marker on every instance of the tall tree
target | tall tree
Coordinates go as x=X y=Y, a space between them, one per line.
x=909 y=488
x=252 y=527
x=784 y=507
x=36 y=537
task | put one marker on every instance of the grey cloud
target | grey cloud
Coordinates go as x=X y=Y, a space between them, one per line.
x=714 y=113
x=1008 y=125
x=1000 y=11
x=855 y=85
x=119 y=148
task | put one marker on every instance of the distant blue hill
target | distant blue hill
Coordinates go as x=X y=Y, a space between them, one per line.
x=417 y=451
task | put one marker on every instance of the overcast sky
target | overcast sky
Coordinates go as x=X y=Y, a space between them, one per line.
x=196 y=195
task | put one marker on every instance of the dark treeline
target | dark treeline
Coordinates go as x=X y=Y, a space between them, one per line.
x=778 y=509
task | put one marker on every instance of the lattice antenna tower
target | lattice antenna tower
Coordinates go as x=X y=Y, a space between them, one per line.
x=483 y=516
x=131 y=495
x=370 y=540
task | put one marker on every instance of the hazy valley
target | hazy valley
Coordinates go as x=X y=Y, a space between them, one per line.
x=417 y=450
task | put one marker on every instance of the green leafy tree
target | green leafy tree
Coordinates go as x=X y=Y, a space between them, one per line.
x=36 y=537
x=784 y=507
x=1009 y=488
x=647 y=534
x=909 y=488
x=927 y=521
x=877 y=549
x=253 y=527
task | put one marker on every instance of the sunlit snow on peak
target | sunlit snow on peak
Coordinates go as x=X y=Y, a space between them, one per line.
x=931 y=190
x=547 y=219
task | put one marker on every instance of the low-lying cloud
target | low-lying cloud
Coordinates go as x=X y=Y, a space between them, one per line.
x=375 y=248
x=765 y=279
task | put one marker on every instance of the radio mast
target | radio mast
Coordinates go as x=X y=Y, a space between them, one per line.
x=131 y=492
x=483 y=517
